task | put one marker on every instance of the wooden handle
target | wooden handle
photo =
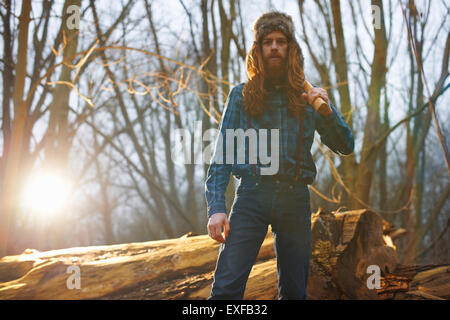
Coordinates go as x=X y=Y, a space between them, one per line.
x=319 y=104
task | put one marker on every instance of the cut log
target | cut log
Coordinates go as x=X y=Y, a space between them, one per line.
x=417 y=283
x=343 y=246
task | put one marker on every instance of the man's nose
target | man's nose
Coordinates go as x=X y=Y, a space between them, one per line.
x=274 y=47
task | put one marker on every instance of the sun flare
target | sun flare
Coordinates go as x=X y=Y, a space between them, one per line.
x=46 y=193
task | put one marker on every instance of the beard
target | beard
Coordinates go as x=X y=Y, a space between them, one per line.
x=276 y=70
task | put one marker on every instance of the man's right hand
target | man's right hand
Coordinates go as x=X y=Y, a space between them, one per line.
x=215 y=223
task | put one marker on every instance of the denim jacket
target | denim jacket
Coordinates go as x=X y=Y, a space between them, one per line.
x=333 y=130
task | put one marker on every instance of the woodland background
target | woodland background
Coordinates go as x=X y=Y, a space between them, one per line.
x=99 y=104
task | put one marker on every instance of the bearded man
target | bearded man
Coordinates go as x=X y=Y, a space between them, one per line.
x=273 y=97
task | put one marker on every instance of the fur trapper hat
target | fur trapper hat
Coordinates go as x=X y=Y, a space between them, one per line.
x=274 y=21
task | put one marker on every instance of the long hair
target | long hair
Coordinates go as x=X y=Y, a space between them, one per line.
x=256 y=95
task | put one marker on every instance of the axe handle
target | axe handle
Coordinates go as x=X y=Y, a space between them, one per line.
x=319 y=104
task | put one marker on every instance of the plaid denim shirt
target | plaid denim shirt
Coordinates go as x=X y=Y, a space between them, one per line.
x=333 y=130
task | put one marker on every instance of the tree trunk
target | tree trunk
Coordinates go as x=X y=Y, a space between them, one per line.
x=8 y=197
x=343 y=246
x=8 y=85
x=58 y=135
x=226 y=34
x=383 y=160
x=366 y=168
x=59 y=139
x=348 y=166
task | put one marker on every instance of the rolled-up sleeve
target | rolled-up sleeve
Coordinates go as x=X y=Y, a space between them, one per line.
x=334 y=132
x=219 y=171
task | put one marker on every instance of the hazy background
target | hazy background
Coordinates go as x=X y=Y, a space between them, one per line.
x=92 y=163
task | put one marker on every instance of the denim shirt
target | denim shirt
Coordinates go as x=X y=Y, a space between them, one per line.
x=333 y=130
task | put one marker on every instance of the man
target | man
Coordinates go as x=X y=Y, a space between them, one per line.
x=273 y=97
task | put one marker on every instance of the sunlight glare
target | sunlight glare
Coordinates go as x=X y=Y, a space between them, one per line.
x=46 y=193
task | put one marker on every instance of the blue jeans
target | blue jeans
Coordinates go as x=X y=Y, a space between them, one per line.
x=286 y=206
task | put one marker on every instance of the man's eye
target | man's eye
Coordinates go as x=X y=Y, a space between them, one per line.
x=280 y=42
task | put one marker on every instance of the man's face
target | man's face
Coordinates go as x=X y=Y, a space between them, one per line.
x=274 y=52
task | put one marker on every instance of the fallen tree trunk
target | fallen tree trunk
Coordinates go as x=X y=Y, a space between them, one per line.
x=343 y=245
x=417 y=283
